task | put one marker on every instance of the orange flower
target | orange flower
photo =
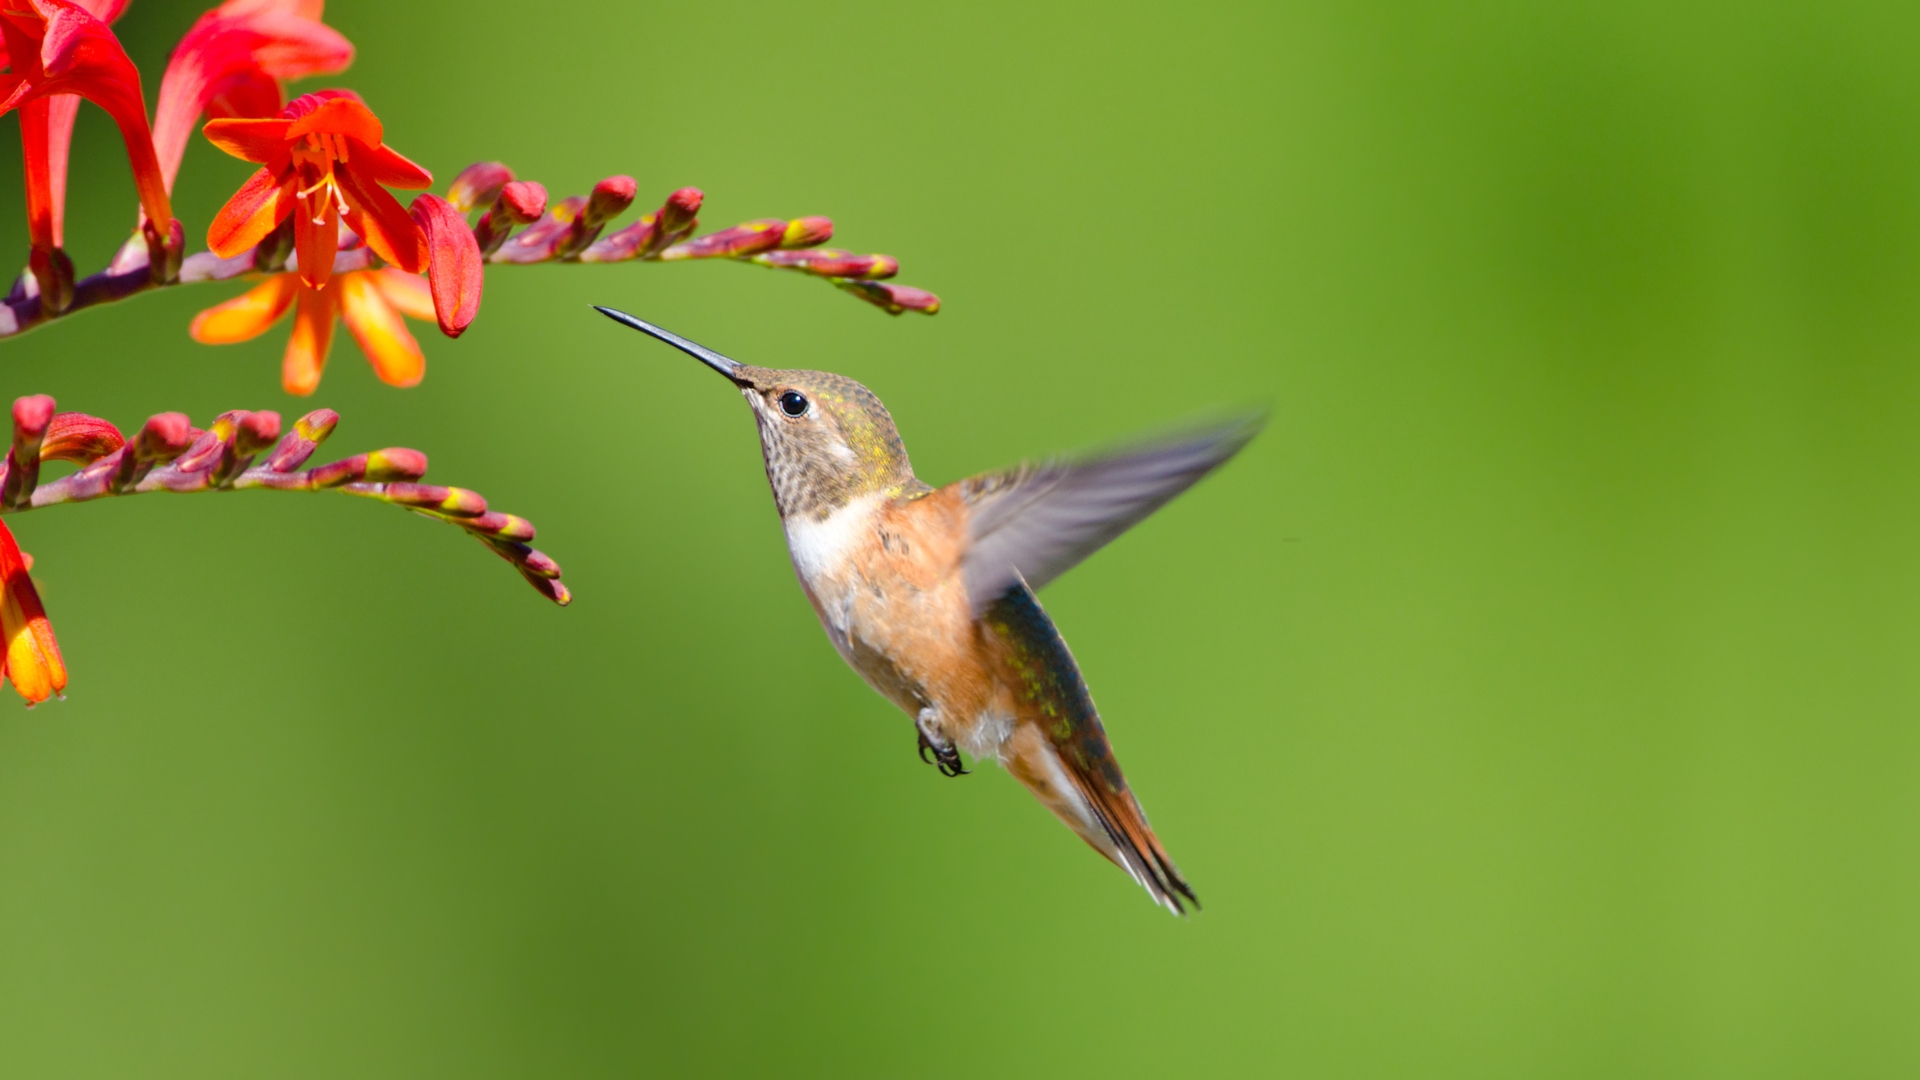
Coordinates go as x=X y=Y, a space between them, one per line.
x=371 y=302
x=324 y=161
x=32 y=660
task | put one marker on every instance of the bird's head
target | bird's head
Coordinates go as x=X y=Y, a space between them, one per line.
x=827 y=440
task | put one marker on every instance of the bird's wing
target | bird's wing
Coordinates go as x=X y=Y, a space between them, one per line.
x=1036 y=522
x=1059 y=749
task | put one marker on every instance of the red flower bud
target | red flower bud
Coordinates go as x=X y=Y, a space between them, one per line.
x=454 y=269
x=522 y=202
x=298 y=445
x=832 y=262
x=395 y=463
x=164 y=437
x=893 y=299
x=622 y=244
x=31 y=417
x=541 y=240
x=748 y=239
x=610 y=199
x=807 y=232
x=478 y=184
x=255 y=432
x=79 y=438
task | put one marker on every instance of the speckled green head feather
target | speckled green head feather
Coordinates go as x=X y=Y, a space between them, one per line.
x=827 y=440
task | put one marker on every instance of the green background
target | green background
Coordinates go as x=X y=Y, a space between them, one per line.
x=1535 y=698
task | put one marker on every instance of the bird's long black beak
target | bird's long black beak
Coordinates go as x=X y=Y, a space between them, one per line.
x=729 y=368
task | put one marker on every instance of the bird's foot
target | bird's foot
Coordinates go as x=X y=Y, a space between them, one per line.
x=945 y=756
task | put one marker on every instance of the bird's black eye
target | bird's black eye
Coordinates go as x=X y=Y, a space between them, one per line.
x=793 y=403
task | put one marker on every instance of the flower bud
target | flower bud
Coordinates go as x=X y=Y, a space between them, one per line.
x=298 y=445
x=500 y=526
x=622 y=244
x=454 y=270
x=522 y=202
x=79 y=438
x=832 y=262
x=477 y=185
x=212 y=444
x=807 y=232
x=451 y=501
x=395 y=463
x=31 y=417
x=164 y=437
x=893 y=299
x=541 y=240
x=749 y=239
x=609 y=200
x=256 y=432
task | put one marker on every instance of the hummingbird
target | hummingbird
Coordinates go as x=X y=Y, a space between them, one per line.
x=928 y=593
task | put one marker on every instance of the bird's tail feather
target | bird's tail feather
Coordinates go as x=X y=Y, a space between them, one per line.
x=1059 y=749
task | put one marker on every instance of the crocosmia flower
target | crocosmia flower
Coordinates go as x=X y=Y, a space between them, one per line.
x=370 y=302
x=32 y=658
x=325 y=161
x=233 y=62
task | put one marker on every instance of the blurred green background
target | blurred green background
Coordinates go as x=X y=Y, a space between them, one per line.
x=1535 y=698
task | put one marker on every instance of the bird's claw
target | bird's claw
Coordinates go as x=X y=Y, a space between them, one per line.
x=945 y=757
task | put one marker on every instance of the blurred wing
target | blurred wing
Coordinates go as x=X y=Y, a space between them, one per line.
x=1037 y=521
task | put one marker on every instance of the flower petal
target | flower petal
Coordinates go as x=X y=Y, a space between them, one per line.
x=77 y=437
x=454 y=266
x=381 y=220
x=33 y=662
x=385 y=166
x=258 y=208
x=316 y=237
x=43 y=221
x=312 y=337
x=230 y=64
x=380 y=330
x=249 y=140
x=75 y=53
x=339 y=116
x=408 y=293
x=248 y=315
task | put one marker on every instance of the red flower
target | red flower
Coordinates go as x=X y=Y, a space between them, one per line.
x=56 y=48
x=60 y=111
x=371 y=302
x=32 y=660
x=233 y=62
x=324 y=161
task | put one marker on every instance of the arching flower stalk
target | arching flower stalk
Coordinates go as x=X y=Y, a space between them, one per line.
x=238 y=451
x=326 y=171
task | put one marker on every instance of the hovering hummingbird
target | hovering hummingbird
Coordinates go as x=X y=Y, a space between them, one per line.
x=928 y=592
